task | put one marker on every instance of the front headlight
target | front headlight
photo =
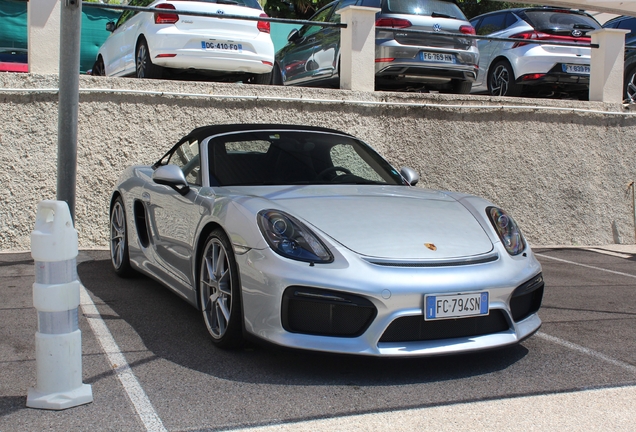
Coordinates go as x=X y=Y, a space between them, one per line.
x=507 y=230
x=290 y=238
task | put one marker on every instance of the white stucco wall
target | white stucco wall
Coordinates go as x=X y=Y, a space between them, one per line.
x=562 y=173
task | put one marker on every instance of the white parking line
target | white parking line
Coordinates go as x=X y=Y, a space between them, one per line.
x=118 y=362
x=585 y=265
x=587 y=351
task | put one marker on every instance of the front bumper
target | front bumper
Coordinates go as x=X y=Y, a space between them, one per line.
x=397 y=293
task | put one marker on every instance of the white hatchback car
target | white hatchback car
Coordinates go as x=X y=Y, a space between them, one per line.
x=509 y=68
x=144 y=43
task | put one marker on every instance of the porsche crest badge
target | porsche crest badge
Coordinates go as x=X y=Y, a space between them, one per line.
x=431 y=246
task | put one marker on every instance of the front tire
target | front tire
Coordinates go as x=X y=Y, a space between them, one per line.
x=119 y=256
x=219 y=291
x=629 y=92
x=145 y=68
x=98 y=68
x=277 y=76
x=501 y=80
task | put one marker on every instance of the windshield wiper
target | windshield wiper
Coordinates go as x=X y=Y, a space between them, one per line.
x=229 y=2
x=441 y=15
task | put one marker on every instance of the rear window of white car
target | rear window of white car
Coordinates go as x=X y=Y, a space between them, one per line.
x=247 y=3
x=423 y=7
x=556 y=20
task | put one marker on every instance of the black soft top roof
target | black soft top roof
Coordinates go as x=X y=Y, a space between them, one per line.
x=206 y=131
x=203 y=132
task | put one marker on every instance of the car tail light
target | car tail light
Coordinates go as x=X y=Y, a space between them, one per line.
x=535 y=35
x=467 y=30
x=532 y=77
x=263 y=26
x=393 y=23
x=166 y=18
x=384 y=60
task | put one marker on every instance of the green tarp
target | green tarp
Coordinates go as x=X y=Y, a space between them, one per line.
x=14 y=33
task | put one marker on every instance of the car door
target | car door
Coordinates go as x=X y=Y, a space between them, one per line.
x=111 y=49
x=327 y=46
x=494 y=25
x=118 y=51
x=174 y=216
x=297 y=64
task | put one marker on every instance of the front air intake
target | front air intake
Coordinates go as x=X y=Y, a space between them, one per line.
x=325 y=313
x=526 y=298
x=415 y=328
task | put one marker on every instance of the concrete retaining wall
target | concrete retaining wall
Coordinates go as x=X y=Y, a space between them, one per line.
x=560 y=167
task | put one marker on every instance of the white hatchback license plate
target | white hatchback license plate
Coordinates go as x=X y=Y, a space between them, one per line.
x=437 y=57
x=456 y=305
x=576 y=69
x=221 y=46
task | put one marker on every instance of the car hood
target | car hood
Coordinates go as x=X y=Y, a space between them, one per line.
x=388 y=222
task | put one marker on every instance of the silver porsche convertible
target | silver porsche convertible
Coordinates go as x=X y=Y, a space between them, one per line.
x=305 y=237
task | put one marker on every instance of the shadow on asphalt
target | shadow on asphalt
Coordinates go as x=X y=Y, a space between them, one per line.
x=173 y=330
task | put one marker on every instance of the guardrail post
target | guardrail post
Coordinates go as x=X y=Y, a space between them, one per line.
x=56 y=297
x=43 y=17
x=357 y=48
x=606 y=67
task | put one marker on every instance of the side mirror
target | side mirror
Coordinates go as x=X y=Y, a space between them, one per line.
x=171 y=175
x=293 y=35
x=410 y=175
x=110 y=26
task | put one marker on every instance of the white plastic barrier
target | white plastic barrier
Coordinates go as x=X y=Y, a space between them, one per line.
x=56 y=296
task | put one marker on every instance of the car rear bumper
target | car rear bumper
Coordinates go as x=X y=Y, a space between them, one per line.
x=173 y=49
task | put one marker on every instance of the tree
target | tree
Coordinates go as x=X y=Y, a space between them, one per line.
x=298 y=9
x=472 y=8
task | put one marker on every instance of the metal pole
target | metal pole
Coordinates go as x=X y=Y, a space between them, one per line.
x=70 y=35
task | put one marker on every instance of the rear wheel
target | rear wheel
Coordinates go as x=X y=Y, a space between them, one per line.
x=219 y=291
x=98 y=67
x=461 y=87
x=630 y=85
x=119 y=256
x=501 y=80
x=143 y=63
x=263 y=79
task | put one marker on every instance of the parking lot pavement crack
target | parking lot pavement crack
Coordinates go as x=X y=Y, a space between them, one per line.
x=624 y=365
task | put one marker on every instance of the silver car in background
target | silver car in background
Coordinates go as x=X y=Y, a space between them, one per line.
x=443 y=60
x=305 y=237
x=510 y=68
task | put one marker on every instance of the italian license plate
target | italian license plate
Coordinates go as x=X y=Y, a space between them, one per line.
x=576 y=69
x=437 y=57
x=221 y=46
x=456 y=305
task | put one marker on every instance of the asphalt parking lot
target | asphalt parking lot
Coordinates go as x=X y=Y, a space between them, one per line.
x=160 y=372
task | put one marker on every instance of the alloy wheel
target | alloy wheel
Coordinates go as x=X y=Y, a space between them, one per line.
x=216 y=288
x=630 y=87
x=142 y=60
x=117 y=235
x=500 y=81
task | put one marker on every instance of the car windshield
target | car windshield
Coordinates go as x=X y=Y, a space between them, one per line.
x=285 y=157
x=561 y=21
x=440 y=8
